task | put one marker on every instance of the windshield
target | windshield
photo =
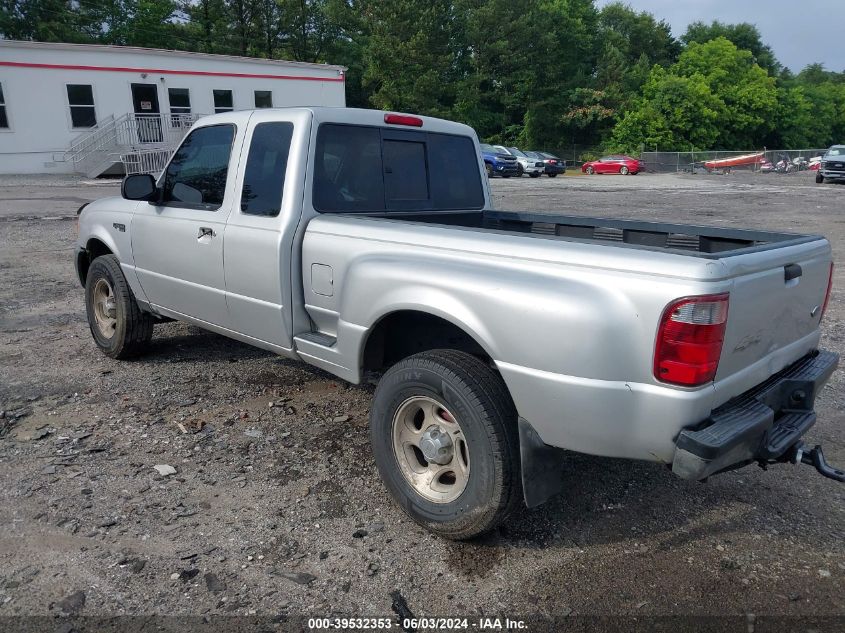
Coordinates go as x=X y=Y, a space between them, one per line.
x=836 y=151
x=488 y=148
x=516 y=152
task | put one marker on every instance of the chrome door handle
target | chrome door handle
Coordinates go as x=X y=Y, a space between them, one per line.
x=205 y=232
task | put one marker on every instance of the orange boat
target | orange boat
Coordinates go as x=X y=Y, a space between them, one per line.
x=735 y=161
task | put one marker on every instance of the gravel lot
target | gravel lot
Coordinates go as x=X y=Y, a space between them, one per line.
x=276 y=507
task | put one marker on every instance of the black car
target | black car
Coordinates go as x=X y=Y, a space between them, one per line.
x=553 y=164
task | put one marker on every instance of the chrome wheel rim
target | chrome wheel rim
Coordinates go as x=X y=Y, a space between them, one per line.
x=105 y=308
x=624 y=171
x=430 y=449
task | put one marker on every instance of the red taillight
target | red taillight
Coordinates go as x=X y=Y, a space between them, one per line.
x=403 y=119
x=689 y=340
x=827 y=294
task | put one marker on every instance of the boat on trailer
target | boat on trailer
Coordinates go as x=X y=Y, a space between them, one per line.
x=735 y=161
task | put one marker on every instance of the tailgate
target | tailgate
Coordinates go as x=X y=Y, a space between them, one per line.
x=774 y=303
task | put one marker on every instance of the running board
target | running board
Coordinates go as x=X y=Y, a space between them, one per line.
x=316 y=338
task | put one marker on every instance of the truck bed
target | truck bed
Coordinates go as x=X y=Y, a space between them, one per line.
x=699 y=241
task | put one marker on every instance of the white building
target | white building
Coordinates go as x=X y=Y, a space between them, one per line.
x=92 y=109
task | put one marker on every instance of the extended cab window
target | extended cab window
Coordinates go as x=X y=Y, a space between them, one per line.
x=264 y=178
x=196 y=175
x=361 y=168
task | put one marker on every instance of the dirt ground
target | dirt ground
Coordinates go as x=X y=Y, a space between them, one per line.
x=276 y=507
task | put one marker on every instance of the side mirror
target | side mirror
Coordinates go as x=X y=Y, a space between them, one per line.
x=139 y=187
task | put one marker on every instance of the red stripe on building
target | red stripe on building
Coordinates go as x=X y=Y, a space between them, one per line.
x=163 y=71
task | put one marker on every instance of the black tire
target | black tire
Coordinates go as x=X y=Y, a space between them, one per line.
x=819 y=178
x=534 y=174
x=489 y=169
x=133 y=328
x=488 y=420
x=519 y=170
x=506 y=175
x=552 y=175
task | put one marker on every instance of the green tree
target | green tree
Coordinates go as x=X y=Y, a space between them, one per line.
x=715 y=96
x=744 y=35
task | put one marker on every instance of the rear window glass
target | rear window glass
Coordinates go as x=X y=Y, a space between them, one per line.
x=360 y=169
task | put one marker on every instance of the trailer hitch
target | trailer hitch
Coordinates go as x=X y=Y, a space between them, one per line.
x=800 y=454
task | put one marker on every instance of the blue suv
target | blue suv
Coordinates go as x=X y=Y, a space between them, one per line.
x=498 y=163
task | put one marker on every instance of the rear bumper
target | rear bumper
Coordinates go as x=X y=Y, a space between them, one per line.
x=554 y=169
x=761 y=424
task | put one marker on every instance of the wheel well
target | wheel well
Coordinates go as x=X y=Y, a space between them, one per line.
x=93 y=249
x=402 y=334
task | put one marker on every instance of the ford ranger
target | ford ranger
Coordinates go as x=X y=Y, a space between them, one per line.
x=365 y=243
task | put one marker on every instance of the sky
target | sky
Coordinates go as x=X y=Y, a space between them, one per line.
x=800 y=32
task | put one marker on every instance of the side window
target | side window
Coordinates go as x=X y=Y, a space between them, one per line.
x=405 y=172
x=223 y=101
x=263 y=99
x=4 y=118
x=264 y=177
x=348 y=169
x=80 y=99
x=196 y=175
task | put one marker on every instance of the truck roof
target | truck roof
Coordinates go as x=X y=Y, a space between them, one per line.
x=349 y=116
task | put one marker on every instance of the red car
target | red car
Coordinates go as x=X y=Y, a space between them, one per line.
x=616 y=164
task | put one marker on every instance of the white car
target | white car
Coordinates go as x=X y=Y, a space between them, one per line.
x=527 y=165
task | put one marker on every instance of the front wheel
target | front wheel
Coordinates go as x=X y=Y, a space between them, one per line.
x=119 y=327
x=519 y=171
x=819 y=178
x=444 y=435
x=623 y=170
x=552 y=175
x=489 y=169
x=534 y=174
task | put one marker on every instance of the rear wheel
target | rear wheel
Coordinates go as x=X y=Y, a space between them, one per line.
x=534 y=174
x=552 y=175
x=623 y=170
x=119 y=327
x=591 y=170
x=444 y=436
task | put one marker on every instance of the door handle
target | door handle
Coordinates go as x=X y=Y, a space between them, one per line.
x=205 y=232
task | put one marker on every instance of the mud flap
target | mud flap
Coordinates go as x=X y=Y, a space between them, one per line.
x=542 y=466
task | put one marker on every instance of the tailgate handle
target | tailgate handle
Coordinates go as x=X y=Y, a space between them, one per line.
x=792 y=271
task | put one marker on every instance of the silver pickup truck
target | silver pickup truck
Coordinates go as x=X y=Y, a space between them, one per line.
x=365 y=243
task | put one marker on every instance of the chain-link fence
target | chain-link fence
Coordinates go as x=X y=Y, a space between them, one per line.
x=752 y=160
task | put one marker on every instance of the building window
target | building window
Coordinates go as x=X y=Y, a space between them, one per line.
x=263 y=99
x=223 y=101
x=264 y=178
x=180 y=100
x=80 y=98
x=4 y=118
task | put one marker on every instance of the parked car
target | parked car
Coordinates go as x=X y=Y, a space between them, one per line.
x=614 y=164
x=498 y=162
x=552 y=164
x=365 y=243
x=832 y=164
x=526 y=165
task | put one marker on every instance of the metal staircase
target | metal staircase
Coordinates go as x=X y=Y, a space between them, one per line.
x=142 y=143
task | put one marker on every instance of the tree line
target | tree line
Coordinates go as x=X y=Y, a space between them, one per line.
x=547 y=74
